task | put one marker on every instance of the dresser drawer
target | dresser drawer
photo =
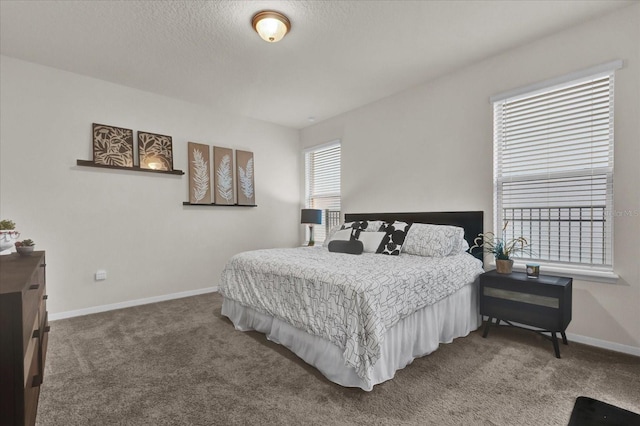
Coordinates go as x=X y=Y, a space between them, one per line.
x=33 y=295
x=42 y=311
x=42 y=355
x=31 y=392
x=30 y=307
x=31 y=353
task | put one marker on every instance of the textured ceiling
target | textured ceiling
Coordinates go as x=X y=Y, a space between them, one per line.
x=339 y=55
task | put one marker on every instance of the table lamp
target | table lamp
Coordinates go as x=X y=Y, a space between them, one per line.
x=311 y=217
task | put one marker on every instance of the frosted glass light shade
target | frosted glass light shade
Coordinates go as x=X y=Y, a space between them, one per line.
x=271 y=26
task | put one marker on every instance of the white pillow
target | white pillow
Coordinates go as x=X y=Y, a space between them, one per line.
x=341 y=235
x=330 y=235
x=434 y=240
x=371 y=240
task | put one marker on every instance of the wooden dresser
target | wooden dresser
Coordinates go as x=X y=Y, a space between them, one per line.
x=24 y=330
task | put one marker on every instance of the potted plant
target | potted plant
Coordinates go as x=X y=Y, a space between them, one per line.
x=8 y=234
x=25 y=247
x=501 y=248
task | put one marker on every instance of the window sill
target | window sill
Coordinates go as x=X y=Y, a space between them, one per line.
x=577 y=274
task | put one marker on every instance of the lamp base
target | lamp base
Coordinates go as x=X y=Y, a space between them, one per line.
x=311 y=242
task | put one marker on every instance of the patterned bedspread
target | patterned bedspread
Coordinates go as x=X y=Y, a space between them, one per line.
x=350 y=300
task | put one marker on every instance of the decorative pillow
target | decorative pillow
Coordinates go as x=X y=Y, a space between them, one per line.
x=365 y=225
x=435 y=240
x=330 y=235
x=371 y=240
x=395 y=234
x=350 y=246
x=341 y=235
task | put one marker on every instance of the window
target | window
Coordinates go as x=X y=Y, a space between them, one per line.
x=322 y=183
x=553 y=170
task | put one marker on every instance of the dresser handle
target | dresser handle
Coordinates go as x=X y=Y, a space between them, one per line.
x=42 y=265
x=34 y=286
x=36 y=332
x=45 y=297
x=37 y=381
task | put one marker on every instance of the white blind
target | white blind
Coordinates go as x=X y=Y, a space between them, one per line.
x=553 y=171
x=322 y=183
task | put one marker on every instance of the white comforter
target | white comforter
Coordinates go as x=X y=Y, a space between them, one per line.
x=350 y=300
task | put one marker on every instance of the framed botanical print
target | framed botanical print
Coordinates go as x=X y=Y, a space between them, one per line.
x=155 y=151
x=199 y=174
x=245 y=169
x=112 y=146
x=223 y=175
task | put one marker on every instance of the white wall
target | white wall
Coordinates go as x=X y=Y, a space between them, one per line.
x=132 y=224
x=430 y=149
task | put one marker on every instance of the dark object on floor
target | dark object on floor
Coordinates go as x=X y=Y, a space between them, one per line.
x=591 y=412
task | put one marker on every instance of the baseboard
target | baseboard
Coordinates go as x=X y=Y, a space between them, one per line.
x=130 y=303
x=617 y=347
x=590 y=341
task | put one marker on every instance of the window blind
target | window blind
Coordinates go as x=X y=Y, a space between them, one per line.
x=553 y=171
x=322 y=183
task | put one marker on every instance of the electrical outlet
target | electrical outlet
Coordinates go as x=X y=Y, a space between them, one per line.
x=101 y=275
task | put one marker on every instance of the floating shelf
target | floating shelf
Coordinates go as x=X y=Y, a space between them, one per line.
x=89 y=163
x=186 y=203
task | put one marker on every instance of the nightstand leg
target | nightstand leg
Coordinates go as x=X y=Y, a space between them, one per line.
x=486 y=327
x=554 y=340
x=564 y=338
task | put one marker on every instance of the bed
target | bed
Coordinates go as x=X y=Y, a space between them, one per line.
x=360 y=318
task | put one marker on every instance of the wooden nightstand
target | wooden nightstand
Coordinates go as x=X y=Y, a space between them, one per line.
x=544 y=302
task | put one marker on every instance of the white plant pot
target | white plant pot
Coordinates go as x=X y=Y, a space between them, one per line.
x=25 y=250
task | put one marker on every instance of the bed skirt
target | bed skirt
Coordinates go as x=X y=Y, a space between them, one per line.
x=412 y=337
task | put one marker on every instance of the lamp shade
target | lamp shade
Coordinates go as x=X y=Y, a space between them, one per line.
x=311 y=216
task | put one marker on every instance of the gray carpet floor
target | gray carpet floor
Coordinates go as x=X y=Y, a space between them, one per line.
x=181 y=363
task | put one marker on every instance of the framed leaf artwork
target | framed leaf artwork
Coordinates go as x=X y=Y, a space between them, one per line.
x=112 y=146
x=155 y=151
x=245 y=171
x=223 y=175
x=199 y=174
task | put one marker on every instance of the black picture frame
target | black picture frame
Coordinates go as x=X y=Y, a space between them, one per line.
x=112 y=146
x=155 y=151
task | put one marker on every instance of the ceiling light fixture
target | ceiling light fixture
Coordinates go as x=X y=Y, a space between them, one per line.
x=271 y=26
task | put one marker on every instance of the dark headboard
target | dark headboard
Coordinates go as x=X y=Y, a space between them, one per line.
x=472 y=222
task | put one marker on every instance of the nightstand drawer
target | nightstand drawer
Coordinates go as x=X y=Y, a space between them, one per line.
x=516 y=296
x=523 y=313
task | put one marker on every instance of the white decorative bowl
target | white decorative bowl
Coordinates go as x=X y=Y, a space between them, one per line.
x=8 y=239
